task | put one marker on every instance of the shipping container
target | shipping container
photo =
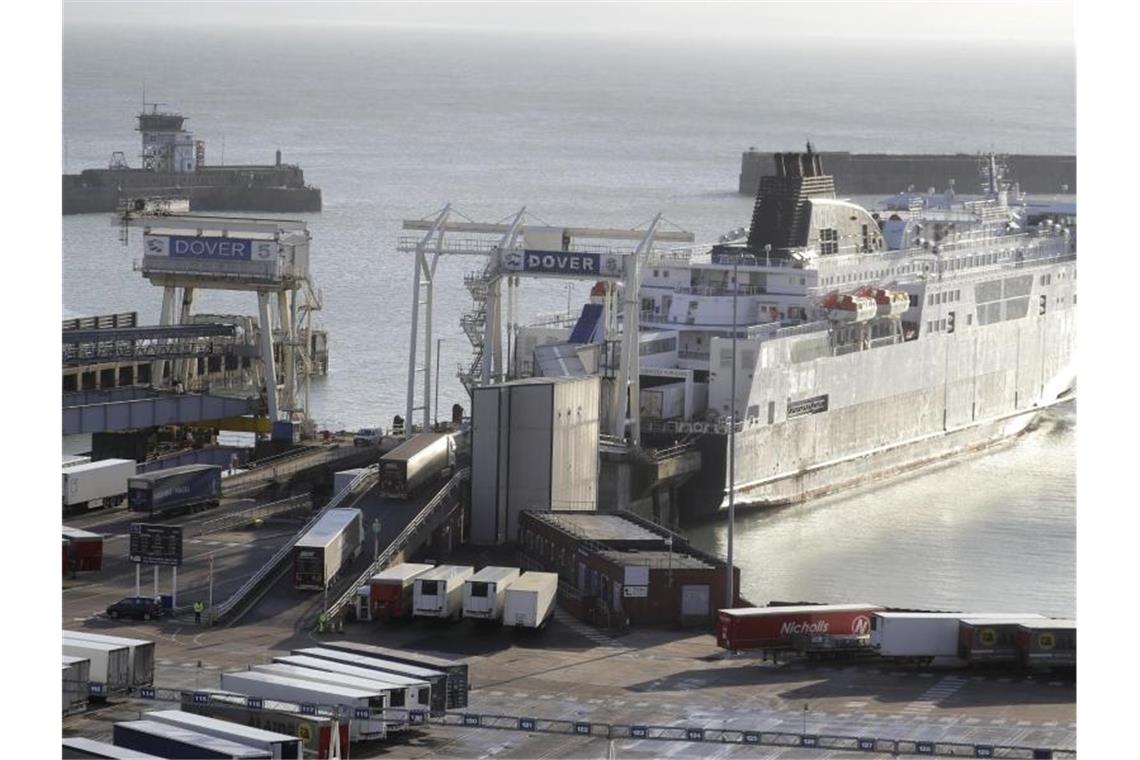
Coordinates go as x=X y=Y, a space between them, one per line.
x=438 y=593
x=985 y=640
x=84 y=549
x=301 y=691
x=96 y=484
x=82 y=747
x=321 y=736
x=456 y=670
x=485 y=592
x=774 y=627
x=178 y=742
x=436 y=679
x=406 y=693
x=417 y=461
x=1048 y=643
x=327 y=548
x=663 y=402
x=529 y=601
x=142 y=653
x=110 y=670
x=76 y=683
x=279 y=746
x=534 y=446
x=189 y=487
x=925 y=635
x=391 y=590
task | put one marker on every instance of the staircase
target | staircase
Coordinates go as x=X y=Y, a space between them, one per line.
x=474 y=323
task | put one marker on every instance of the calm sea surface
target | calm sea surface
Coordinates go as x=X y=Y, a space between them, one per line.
x=394 y=125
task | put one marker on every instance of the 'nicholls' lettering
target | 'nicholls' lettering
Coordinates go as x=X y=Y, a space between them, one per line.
x=791 y=627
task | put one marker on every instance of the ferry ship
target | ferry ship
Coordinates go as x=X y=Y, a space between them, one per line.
x=867 y=341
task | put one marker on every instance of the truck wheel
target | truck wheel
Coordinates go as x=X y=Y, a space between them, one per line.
x=146 y=616
x=114 y=614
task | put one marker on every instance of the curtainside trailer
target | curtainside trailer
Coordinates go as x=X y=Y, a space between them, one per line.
x=180 y=742
x=279 y=746
x=96 y=484
x=390 y=591
x=110 y=670
x=141 y=653
x=438 y=593
x=321 y=736
x=307 y=692
x=456 y=670
x=988 y=640
x=925 y=635
x=1047 y=643
x=368 y=667
x=529 y=601
x=190 y=487
x=485 y=592
x=420 y=459
x=776 y=627
x=322 y=553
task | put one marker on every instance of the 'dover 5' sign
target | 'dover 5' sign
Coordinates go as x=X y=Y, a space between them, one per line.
x=565 y=263
x=211 y=248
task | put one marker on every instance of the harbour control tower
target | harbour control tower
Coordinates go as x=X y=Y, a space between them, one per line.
x=167 y=148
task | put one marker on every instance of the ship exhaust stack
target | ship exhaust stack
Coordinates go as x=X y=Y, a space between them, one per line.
x=780 y=217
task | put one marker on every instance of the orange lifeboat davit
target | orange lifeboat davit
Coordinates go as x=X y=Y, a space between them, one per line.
x=889 y=303
x=844 y=307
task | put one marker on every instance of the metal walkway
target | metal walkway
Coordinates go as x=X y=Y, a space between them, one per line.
x=153 y=411
x=113 y=344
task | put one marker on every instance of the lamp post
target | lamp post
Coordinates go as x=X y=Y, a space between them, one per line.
x=437 y=342
x=729 y=595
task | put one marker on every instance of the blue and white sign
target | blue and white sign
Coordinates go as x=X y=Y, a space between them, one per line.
x=362 y=713
x=924 y=748
x=308 y=709
x=254 y=703
x=147 y=692
x=209 y=248
x=867 y=745
x=809 y=740
x=983 y=750
x=526 y=724
x=582 y=728
x=201 y=698
x=695 y=734
x=470 y=720
x=564 y=263
x=751 y=737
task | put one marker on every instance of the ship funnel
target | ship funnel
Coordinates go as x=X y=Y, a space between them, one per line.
x=782 y=212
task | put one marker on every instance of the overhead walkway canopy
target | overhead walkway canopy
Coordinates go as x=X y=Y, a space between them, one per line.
x=153 y=411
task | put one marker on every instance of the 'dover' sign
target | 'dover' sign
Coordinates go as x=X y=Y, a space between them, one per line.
x=212 y=248
x=564 y=263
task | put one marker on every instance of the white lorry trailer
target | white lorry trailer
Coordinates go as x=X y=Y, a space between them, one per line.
x=437 y=679
x=925 y=635
x=142 y=653
x=530 y=600
x=179 y=741
x=96 y=484
x=110 y=671
x=416 y=693
x=485 y=591
x=76 y=683
x=301 y=691
x=439 y=592
x=327 y=548
x=279 y=746
x=394 y=695
x=390 y=591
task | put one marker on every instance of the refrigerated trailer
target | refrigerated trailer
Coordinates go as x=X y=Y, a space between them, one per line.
x=456 y=670
x=485 y=592
x=76 y=683
x=394 y=695
x=84 y=549
x=189 y=487
x=420 y=459
x=776 y=627
x=926 y=635
x=279 y=746
x=438 y=593
x=180 y=742
x=141 y=653
x=323 y=552
x=96 y=484
x=110 y=671
x=416 y=693
x=529 y=601
x=436 y=680
x=390 y=591
x=321 y=736
x=301 y=691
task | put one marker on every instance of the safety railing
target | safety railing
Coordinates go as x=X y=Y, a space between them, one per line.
x=448 y=492
x=253 y=514
x=366 y=478
x=273 y=468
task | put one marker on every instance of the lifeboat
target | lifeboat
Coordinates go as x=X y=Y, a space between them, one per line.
x=889 y=303
x=844 y=307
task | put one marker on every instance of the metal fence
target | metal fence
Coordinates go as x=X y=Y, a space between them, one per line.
x=253 y=514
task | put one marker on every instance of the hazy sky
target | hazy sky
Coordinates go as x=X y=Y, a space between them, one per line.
x=1047 y=22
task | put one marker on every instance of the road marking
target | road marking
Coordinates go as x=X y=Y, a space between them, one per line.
x=935 y=694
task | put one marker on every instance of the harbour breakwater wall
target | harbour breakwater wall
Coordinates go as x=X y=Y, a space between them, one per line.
x=872 y=173
x=216 y=188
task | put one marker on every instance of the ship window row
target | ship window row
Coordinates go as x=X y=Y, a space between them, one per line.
x=661 y=273
x=860 y=276
x=946 y=296
x=1046 y=279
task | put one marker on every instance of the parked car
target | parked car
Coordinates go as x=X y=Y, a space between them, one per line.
x=368 y=437
x=136 y=607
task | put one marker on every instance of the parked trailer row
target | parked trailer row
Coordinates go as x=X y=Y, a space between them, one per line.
x=189 y=487
x=76 y=683
x=438 y=593
x=926 y=635
x=96 y=484
x=401 y=695
x=169 y=741
x=82 y=550
x=485 y=592
x=529 y=601
x=110 y=669
x=390 y=591
x=456 y=671
x=417 y=461
x=436 y=680
x=140 y=651
x=82 y=747
x=321 y=736
x=302 y=691
x=322 y=553
x=279 y=746
x=1039 y=642
x=408 y=693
